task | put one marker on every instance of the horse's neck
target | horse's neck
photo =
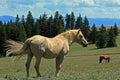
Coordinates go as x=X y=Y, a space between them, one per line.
x=68 y=36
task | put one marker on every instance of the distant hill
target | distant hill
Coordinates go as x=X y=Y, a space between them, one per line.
x=104 y=21
x=6 y=19
x=96 y=21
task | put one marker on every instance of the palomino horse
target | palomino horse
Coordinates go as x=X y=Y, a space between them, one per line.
x=105 y=57
x=40 y=46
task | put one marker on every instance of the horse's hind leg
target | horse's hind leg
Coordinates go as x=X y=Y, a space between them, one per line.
x=100 y=60
x=59 y=61
x=108 y=60
x=37 y=63
x=29 y=58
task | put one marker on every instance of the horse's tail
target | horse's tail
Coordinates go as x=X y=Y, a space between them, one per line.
x=16 y=48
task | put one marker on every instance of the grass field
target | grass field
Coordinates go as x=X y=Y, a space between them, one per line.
x=80 y=64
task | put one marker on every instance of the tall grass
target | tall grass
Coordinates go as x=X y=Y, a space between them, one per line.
x=80 y=64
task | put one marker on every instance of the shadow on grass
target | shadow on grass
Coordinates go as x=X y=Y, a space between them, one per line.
x=92 y=55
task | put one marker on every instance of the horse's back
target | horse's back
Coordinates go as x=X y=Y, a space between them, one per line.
x=105 y=56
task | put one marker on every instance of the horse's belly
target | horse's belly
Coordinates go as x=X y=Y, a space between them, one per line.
x=49 y=55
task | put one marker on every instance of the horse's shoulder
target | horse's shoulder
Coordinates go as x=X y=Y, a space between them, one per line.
x=64 y=43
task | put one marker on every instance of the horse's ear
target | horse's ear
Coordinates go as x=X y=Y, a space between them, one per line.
x=79 y=29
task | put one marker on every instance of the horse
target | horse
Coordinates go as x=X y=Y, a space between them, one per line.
x=41 y=46
x=105 y=57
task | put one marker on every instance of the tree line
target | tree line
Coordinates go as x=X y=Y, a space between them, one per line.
x=24 y=28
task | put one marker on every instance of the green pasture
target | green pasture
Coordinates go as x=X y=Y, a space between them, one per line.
x=81 y=63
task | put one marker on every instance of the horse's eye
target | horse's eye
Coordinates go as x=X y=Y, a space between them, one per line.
x=81 y=36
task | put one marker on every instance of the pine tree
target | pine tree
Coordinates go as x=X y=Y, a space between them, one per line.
x=50 y=28
x=40 y=20
x=111 y=38
x=67 y=22
x=29 y=24
x=23 y=21
x=40 y=24
x=22 y=33
x=61 y=24
x=86 y=28
x=102 y=29
x=93 y=34
x=36 y=29
x=17 y=28
x=44 y=26
x=115 y=29
x=12 y=31
x=72 y=20
x=1 y=24
x=17 y=20
x=102 y=37
x=86 y=22
x=78 y=23
x=23 y=28
x=101 y=42
x=2 y=40
x=56 y=23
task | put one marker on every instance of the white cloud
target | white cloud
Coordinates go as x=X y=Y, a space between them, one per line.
x=69 y=3
x=116 y=2
x=89 y=2
x=39 y=5
x=90 y=8
x=3 y=5
x=79 y=2
x=108 y=3
x=56 y=2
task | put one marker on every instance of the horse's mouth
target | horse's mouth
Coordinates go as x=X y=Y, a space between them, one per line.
x=84 y=45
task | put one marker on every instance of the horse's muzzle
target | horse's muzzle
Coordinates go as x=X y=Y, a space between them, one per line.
x=84 y=45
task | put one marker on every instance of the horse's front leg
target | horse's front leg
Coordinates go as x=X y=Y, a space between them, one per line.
x=59 y=61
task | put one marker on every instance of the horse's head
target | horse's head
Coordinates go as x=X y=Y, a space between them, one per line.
x=81 y=39
x=75 y=36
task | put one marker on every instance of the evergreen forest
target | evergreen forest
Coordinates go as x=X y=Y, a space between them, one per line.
x=25 y=27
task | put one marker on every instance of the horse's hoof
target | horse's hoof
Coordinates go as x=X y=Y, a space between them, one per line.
x=39 y=76
x=36 y=76
x=27 y=76
x=57 y=75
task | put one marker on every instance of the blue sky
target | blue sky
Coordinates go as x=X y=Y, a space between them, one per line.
x=89 y=8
